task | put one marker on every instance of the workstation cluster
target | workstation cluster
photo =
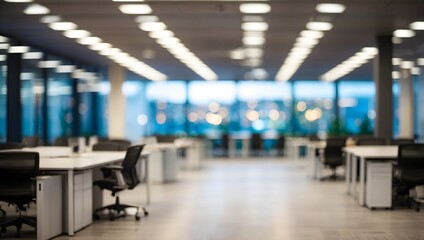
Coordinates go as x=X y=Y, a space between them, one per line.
x=65 y=183
x=379 y=173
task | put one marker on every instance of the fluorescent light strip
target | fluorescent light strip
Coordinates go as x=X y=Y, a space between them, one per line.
x=167 y=40
x=96 y=44
x=347 y=66
x=36 y=9
x=306 y=41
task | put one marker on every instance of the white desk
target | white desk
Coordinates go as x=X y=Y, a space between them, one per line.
x=315 y=165
x=293 y=145
x=365 y=153
x=245 y=144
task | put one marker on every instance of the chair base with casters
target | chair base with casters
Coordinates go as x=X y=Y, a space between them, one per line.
x=332 y=177
x=118 y=210
x=17 y=221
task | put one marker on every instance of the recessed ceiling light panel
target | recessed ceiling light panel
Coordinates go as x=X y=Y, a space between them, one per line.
x=62 y=26
x=18 y=49
x=32 y=55
x=417 y=25
x=36 y=9
x=50 y=19
x=330 y=8
x=255 y=8
x=18 y=1
x=403 y=33
x=319 y=26
x=76 y=34
x=254 y=26
x=152 y=26
x=135 y=9
x=147 y=18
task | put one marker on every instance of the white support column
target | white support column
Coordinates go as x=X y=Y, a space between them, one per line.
x=116 y=109
x=406 y=105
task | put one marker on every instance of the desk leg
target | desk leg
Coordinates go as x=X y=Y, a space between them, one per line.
x=245 y=148
x=362 y=182
x=232 y=148
x=312 y=162
x=348 y=173
x=146 y=172
x=354 y=163
x=70 y=202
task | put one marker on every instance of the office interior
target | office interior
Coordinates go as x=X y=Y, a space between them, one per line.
x=235 y=102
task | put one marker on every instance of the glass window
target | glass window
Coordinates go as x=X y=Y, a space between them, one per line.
x=264 y=106
x=212 y=107
x=356 y=106
x=396 y=90
x=313 y=107
x=137 y=114
x=3 y=89
x=32 y=90
x=102 y=103
x=60 y=104
x=87 y=91
x=167 y=101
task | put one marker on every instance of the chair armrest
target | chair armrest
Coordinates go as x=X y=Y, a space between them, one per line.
x=114 y=172
x=113 y=167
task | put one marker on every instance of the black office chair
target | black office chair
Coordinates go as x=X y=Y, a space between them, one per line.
x=370 y=141
x=31 y=141
x=410 y=169
x=61 y=142
x=332 y=156
x=256 y=144
x=17 y=186
x=109 y=146
x=399 y=141
x=224 y=145
x=11 y=145
x=119 y=178
x=281 y=144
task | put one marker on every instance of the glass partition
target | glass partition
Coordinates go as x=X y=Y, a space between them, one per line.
x=32 y=90
x=356 y=106
x=212 y=107
x=60 y=103
x=264 y=106
x=3 y=87
x=313 y=107
x=137 y=112
x=167 y=102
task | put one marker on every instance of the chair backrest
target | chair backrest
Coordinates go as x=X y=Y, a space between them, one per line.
x=371 y=141
x=165 y=138
x=129 y=170
x=256 y=140
x=11 y=145
x=399 y=141
x=31 y=141
x=106 y=146
x=411 y=155
x=122 y=143
x=410 y=164
x=17 y=174
x=333 y=148
x=61 y=141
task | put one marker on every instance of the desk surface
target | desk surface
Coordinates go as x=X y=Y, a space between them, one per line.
x=370 y=152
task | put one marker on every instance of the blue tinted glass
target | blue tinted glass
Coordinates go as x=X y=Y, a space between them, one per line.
x=313 y=108
x=136 y=119
x=59 y=94
x=3 y=88
x=167 y=105
x=32 y=90
x=356 y=106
